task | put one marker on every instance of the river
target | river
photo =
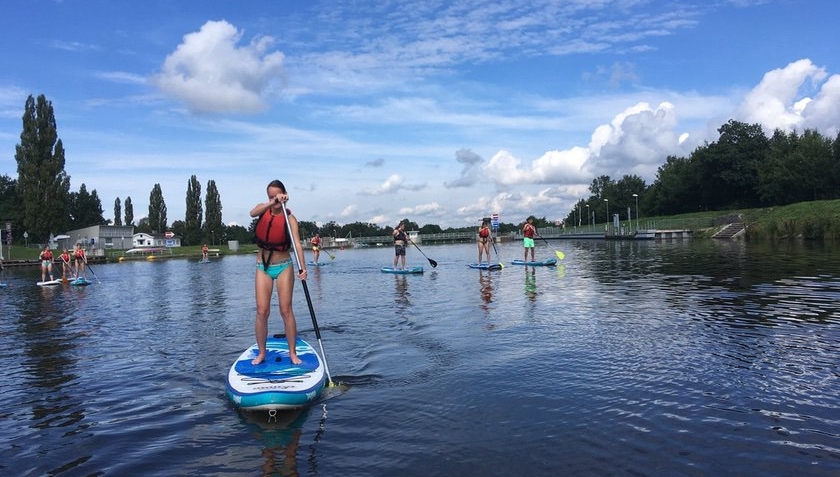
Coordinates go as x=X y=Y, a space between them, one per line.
x=684 y=358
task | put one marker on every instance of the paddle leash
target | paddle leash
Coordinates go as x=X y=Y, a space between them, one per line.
x=308 y=298
x=431 y=262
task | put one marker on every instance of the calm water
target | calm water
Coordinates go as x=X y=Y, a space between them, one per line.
x=642 y=359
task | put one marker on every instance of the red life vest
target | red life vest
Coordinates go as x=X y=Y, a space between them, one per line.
x=271 y=232
x=529 y=231
x=484 y=232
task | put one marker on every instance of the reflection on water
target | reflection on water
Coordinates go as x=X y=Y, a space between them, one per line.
x=628 y=358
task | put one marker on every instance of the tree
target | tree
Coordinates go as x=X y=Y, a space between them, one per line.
x=157 y=210
x=728 y=168
x=43 y=184
x=117 y=212
x=213 y=226
x=129 y=212
x=84 y=208
x=10 y=206
x=192 y=221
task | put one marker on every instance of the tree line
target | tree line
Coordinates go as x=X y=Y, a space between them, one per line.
x=742 y=169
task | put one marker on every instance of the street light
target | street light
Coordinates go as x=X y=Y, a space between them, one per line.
x=588 y=215
x=637 y=210
x=607 y=223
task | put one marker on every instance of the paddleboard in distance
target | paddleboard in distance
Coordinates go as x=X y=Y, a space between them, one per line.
x=317 y=264
x=49 y=283
x=80 y=282
x=486 y=266
x=276 y=383
x=549 y=262
x=406 y=271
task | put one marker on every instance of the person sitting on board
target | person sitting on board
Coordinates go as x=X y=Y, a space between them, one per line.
x=66 y=268
x=484 y=240
x=529 y=232
x=274 y=263
x=204 y=252
x=400 y=239
x=46 y=258
x=80 y=260
x=316 y=246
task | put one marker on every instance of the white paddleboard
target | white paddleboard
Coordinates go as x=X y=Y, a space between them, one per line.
x=276 y=383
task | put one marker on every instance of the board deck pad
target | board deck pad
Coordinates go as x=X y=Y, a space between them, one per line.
x=276 y=383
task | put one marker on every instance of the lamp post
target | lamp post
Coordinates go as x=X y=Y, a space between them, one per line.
x=588 y=215
x=637 y=210
x=607 y=223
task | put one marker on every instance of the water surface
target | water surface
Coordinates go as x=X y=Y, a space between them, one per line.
x=646 y=359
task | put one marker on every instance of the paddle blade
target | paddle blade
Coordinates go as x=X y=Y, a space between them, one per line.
x=560 y=254
x=432 y=263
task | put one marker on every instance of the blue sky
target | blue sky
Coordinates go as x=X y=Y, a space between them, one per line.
x=438 y=111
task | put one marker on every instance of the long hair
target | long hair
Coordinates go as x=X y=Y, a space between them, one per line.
x=276 y=183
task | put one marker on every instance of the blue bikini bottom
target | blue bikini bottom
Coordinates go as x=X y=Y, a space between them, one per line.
x=275 y=269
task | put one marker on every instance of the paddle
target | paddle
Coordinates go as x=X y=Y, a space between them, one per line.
x=431 y=262
x=497 y=252
x=560 y=255
x=308 y=298
x=91 y=270
x=332 y=257
x=64 y=275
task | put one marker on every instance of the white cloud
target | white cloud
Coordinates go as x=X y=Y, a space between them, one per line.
x=781 y=100
x=209 y=72
x=392 y=184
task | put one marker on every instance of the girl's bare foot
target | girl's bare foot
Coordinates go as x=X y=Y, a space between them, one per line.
x=259 y=359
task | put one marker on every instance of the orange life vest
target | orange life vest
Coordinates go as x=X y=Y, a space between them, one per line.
x=271 y=232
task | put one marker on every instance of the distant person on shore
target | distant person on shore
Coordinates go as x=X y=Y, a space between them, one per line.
x=46 y=258
x=66 y=267
x=204 y=252
x=484 y=239
x=400 y=239
x=529 y=232
x=316 y=247
x=274 y=263
x=80 y=260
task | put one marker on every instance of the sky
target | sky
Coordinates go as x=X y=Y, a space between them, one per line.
x=441 y=112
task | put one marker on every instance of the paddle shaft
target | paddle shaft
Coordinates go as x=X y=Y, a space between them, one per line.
x=431 y=262
x=306 y=292
x=497 y=252
x=559 y=254
x=91 y=270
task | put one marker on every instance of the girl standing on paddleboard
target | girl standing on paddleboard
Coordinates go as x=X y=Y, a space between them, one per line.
x=46 y=258
x=274 y=264
x=400 y=239
x=484 y=240
x=81 y=261
x=529 y=232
